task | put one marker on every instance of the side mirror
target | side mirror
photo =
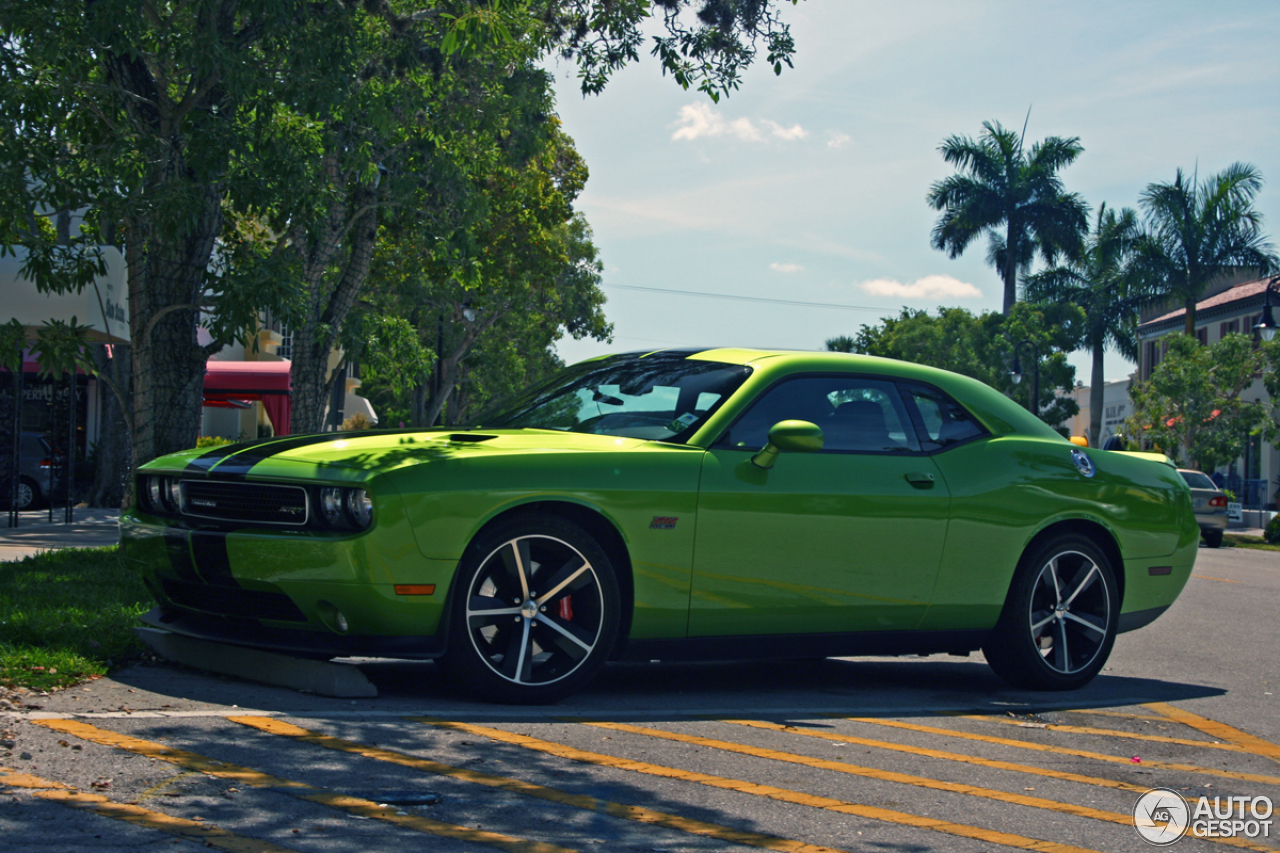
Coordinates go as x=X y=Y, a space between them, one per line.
x=791 y=436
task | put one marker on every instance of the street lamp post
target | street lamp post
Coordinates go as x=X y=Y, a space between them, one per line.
x=1033 y=402
x=1267 y=325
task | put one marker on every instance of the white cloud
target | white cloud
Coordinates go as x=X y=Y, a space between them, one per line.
x=700 y=120
x=929 y=287
x=836 y=139
x=786 y=268
x=788 y=133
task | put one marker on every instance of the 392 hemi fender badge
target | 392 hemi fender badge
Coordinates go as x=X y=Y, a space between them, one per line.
x=664 y=522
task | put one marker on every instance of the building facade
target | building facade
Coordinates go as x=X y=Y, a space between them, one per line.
x=1233 y=305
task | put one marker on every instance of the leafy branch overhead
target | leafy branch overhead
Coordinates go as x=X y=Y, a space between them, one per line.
x=225 y=145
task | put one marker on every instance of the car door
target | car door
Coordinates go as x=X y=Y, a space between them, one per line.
x=848 y=538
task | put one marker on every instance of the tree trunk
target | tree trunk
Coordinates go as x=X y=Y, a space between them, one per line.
x=418 y=404
x=112 y=450
x=1096 y=400
x=330 y=303
x=166 y=281
x=1011 y=267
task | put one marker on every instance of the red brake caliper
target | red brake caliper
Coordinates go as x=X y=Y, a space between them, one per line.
x=566 y=608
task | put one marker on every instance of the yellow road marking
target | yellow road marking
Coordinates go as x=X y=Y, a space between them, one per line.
x=1222 y=731
x=1121 y=714
x=892 y=776
x=1207 y=578
x=1125 y=819
x=1089 y=730
x=160 y=786
x=213 y=836
x=254 y=778
x=580 y=801
x=784 y=795
x=947 y=756
x=1063 y=750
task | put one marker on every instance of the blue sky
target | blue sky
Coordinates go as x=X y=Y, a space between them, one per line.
x=810 y=187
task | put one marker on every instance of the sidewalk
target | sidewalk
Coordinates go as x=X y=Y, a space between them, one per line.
x=92 y=528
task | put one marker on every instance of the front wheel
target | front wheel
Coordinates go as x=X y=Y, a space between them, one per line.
x=535 y=613
x=1059 y=620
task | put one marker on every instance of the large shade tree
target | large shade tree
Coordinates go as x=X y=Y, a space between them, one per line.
x=1198 y=232
x=1103 y=284
x=1013 y=196
x=145 y=111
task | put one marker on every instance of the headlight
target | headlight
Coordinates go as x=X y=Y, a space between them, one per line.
x=331 y=506
x=172 y=497
x=359 y=508
x=154 y=492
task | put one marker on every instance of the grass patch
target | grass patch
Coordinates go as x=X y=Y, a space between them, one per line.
x=68 y=615
x=1238 y=540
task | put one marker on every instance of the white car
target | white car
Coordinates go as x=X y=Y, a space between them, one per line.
x=1210 y=506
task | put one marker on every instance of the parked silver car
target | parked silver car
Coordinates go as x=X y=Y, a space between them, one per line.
x=36 y=457
x=1210 y=505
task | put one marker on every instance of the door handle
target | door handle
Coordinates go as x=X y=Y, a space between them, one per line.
x=920 y=479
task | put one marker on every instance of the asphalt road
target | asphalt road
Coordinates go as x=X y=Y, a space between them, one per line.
x=851 y=754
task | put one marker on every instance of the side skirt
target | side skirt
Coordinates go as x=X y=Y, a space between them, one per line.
x=804 y=646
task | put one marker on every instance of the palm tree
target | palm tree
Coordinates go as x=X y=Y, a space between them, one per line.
x=1104 y=284
x=1196 y=233
x=1001 y=185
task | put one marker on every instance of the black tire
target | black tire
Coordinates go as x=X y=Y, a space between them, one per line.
x=1059 y=620
x=28 y=494
x=535 y=612
x=1212 y=538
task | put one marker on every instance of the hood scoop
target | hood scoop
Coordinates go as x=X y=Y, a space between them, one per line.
x=470 y=437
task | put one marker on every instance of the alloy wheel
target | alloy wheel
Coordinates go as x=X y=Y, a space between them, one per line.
x=1070 y=612
x=535 y=610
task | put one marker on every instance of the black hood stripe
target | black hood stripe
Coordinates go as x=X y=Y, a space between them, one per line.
x=235 y=460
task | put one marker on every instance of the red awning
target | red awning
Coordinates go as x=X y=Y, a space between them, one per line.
x=267 y=381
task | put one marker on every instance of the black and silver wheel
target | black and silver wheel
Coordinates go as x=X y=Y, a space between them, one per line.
x=536 y=612
x=1059 y=621
x=28 y=494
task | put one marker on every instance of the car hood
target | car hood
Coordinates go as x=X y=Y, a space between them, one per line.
x=364 y=454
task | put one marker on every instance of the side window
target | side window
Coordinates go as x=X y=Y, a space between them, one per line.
x=856 y=414
x=943 y=420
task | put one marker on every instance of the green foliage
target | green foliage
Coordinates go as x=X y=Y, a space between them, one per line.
x=1190 y=408
x=13 y=337
x=1196 y=233
x=1101 y=282
x=982 y=347
x=1272 y=531
x=61 y=347
x=206 y=441
x=67 y=615
x=707 y=50
x=1002 y=186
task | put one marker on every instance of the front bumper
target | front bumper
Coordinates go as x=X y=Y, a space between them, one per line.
x=298 y=592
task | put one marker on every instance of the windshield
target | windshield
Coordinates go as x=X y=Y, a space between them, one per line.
x=664 y=397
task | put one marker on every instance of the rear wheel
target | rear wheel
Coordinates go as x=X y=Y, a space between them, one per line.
x=28 y=494
x=1212 y=538
x=535 y=614
x=1059 y=620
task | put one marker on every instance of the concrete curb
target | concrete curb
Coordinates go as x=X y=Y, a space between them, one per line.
x=308 y=676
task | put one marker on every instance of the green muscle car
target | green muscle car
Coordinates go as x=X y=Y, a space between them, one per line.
x=676 y=505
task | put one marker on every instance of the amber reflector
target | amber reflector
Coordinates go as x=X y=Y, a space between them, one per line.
x=415 y=589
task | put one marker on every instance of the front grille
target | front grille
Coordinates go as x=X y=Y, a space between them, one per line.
x=233 y=601
x=256 y=503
